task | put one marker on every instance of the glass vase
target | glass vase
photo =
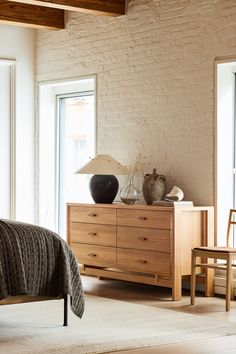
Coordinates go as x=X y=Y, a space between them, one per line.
x=129 y=194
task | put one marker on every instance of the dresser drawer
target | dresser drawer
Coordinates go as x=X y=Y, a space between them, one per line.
x=100 y=256
x=94 y=215
x=145 y=218
x=144 y=261
x=144 y=239
x=93 y=234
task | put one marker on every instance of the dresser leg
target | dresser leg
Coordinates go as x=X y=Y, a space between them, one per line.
x=177 y=289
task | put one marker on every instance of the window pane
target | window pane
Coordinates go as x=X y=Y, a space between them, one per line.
x=5 y=155
x=76 y=146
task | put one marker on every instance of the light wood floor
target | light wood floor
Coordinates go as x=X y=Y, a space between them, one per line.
x=161 y=298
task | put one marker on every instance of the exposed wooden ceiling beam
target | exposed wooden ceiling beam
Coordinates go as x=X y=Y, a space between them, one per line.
x=102 y=7
x=31 y=16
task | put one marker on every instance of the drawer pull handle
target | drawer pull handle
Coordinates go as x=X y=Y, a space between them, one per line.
x=92 y=255
x=142 y=238
x=142 y=218
x=93 y=215
x=92 y=234
x=142 y=261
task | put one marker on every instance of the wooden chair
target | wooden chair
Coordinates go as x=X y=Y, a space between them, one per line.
x=228 y=254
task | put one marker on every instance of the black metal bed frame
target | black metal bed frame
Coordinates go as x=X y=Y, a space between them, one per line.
x=65 y=321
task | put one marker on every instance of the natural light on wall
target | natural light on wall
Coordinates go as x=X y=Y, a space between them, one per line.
x=66 y=140
x=225 y=146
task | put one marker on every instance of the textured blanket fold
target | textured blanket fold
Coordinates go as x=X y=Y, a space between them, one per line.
x=36 y=261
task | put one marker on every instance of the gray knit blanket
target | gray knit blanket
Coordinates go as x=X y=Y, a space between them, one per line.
x=36 y=261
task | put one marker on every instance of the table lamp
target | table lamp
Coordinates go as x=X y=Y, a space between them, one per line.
x=103 y=184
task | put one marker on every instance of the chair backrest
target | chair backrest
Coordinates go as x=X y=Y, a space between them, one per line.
x=231 y=222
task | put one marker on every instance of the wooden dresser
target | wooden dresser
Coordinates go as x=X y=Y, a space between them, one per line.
x=139 y=243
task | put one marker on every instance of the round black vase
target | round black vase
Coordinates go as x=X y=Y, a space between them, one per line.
x=103 y=188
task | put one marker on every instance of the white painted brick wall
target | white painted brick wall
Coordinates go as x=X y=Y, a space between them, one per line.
x=155 y=71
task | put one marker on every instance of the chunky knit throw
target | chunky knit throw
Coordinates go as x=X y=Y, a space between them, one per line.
x=36 y=261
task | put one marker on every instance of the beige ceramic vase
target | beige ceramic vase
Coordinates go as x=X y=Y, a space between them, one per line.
x=154 y=187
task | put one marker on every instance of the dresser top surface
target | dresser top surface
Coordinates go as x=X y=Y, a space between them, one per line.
x=120 y=205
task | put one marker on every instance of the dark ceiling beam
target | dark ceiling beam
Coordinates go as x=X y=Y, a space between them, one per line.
x=102 y=7
x=31 y=16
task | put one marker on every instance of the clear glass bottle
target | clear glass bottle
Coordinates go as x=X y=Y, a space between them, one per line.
x=129 y=194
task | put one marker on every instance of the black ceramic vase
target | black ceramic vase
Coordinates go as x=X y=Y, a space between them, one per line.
x=103 y=188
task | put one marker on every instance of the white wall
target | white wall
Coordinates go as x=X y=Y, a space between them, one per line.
x=18 y=43
x=155 y=71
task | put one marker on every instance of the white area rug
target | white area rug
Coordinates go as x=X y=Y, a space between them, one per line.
x=107 y=325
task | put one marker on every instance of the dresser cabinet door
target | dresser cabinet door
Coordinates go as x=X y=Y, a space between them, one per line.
x=93 y=215
x=145 y=218
x=95 y=234
x=144 y=238
x=100 y=256
x=144 y=261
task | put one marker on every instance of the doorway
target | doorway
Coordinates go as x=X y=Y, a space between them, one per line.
x=66 y=131
x=225 y=147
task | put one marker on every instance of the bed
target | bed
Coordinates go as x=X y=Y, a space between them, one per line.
x=36 y=264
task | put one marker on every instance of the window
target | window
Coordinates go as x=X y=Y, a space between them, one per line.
x=7 y=138
x=225 y=147
x=66 y=140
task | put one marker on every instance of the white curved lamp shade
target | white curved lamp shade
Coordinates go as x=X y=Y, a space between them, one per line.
x=103 y=165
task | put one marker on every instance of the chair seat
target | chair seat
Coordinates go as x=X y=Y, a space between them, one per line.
x=216 y=249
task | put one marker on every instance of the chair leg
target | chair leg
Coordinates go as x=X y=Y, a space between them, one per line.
x=228 y=283
x=232 y=288
x=193 y=278
x=209 y=282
